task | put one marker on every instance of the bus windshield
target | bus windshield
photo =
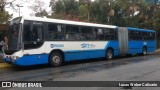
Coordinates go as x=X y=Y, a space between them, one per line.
x=13 y=37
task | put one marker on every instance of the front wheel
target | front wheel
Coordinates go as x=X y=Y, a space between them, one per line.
x=109 y=54
x=56 y=59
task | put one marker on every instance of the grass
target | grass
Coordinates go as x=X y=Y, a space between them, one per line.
x=158 y=50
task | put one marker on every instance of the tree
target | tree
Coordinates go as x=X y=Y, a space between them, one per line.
x=64 y=9
x=57 y=6
x=4 y=15
x=4 y=3
x=71 y=7
x=39 y=8
x=128 y=13
x=41 y=13
x=83 y=12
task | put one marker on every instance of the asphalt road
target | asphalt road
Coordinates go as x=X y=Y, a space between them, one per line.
x=133 y=68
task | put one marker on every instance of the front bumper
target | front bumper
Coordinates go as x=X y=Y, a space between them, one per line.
x=28 y=60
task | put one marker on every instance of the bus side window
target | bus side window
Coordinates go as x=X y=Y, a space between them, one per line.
x=98 y=34
x=153 y=34
x=33 y=33
x=145 y=35
x=109 y=34
x=72 y=32
x=37 y=33
x=129 y=35
x=116 y=35
x=86 y=33
x=106 y=33
x=142 y=34
x=55 y=32
x=40 y=33
x=26 y=36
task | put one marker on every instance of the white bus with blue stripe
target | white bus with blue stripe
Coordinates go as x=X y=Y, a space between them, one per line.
x=33 y=41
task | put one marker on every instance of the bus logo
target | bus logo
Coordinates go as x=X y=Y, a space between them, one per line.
x=87 y=45
x=57 y=45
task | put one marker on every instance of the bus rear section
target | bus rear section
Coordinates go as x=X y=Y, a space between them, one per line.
x=136 y=41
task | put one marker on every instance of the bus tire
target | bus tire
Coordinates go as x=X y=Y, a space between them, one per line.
x=109 y=54
x=144 y=51
x=55 y=59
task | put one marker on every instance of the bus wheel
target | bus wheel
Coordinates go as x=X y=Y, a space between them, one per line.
x=144 y=51
x=109 y=54
x=55 y=59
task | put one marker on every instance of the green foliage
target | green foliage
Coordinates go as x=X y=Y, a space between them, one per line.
x=128 y=13
x=83 y=12
x=41 y=14
x=58 y=7
x=4 y=15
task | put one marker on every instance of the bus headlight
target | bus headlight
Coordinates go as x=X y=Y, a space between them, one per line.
x=15 y=57
x=7 y=56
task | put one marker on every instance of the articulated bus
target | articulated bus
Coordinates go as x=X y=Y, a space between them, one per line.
x=33 y=41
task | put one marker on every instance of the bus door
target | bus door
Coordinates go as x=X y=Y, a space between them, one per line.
x=123 y=40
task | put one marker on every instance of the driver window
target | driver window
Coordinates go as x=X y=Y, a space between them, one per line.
x=33 y=33
x=32 y=36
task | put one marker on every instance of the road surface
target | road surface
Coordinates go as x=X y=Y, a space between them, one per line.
x=133 y=68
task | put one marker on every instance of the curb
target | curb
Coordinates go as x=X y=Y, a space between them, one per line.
x=157 y=52
x=4 y=65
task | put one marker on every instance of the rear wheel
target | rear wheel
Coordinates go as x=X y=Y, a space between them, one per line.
x=109 y=54
x=56 y=59
x=144 y=51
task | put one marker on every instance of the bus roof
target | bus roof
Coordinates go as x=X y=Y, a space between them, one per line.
x=67 y=22
x=138 y=29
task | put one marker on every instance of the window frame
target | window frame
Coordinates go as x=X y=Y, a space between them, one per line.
x=62 y=32
x=95 y=37
x=91 y=33
x=33 y=44
x=65 y=32
x=111 y=34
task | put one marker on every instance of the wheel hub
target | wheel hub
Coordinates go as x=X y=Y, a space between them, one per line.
x=56 y=59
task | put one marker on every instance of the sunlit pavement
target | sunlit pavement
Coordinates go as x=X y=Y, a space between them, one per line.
x=4 y=65
x=134 y=68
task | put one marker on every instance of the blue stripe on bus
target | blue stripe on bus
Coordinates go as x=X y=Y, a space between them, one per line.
x=32 y=60
x=75 y=51
x=43 y=58
x=84 y=55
